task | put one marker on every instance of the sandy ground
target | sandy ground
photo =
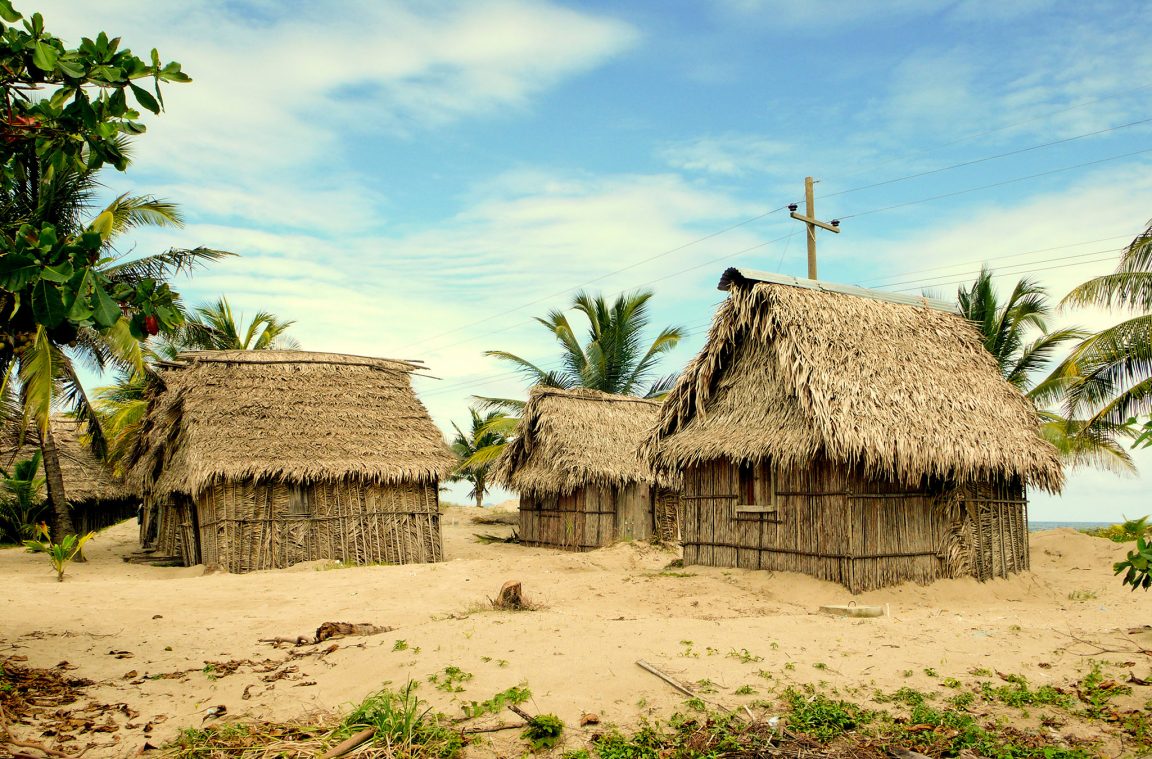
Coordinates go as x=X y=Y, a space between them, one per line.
x=601 y=612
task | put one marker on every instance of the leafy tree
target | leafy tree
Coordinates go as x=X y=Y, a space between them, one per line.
x=65 y=114
x=1006 y=327
x=477 y=450
x=614 y=359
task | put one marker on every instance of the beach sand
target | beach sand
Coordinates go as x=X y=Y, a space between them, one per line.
x=125 y=625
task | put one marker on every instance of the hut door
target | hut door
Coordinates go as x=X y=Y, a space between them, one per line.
x=188 y=525
x=634 y=519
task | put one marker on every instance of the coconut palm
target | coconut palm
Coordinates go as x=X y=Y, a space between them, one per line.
x=477 y=450
x=214 y=326
x=44 y=365
x=614 y=359
x=1006 y=327
x=1109 y=375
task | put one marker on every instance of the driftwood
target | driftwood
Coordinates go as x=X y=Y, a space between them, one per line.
x=521 y=713
x=666 y=678
x=682 y=687
x=491 y=728
x=343 y=748
x=511 y=596
x=329 y=630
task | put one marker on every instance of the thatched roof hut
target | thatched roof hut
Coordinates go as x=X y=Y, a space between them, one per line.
x=98 y=497
x=812 y=396
x=335 y=449
x=582 y=477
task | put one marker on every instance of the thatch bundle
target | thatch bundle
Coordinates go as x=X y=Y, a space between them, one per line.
x=793 y=373
x=291 y=416
x=571 y=439
x=86 y=478
x=97 y=496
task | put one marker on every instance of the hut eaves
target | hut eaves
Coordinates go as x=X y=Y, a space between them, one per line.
x=570 y=439
x=903 y=390
x=293 y=416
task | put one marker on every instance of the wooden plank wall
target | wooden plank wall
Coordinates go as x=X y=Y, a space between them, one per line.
x=841 y=526
x=246 y=526
x=588 y=518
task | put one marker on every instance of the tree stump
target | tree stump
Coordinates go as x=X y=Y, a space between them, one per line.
x=511 y=596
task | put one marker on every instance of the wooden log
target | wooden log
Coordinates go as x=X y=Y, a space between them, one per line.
x=343 y=748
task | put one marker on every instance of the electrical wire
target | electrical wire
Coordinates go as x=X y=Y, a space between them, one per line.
x=994 y=184
x=985 y=159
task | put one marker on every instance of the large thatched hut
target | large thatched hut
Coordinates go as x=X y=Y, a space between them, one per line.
x=96 y=496
x=262 y=459
x=583 y=480
x=862 y=437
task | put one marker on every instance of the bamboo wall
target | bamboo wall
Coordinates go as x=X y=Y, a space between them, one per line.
x=248 y=526
x=589 y=518
x=838 y=525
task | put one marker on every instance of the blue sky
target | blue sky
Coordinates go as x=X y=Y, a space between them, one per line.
x=421 y=179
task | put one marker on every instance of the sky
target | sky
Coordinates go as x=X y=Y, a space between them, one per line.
x=421 y=179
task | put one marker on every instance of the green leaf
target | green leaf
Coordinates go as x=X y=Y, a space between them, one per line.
x=61 y=272
x=70 y=68
x=118 y=104
x=44 y=56
x=16 y=271
x=8 y=13
x=48 y=304
x=145 y=98
x=106 y=312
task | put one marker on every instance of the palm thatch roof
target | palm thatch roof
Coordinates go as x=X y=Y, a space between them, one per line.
x=293 y=416
x=86 y=478
x=570 y=439
x=792 y=372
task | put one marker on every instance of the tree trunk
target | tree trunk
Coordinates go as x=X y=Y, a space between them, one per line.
x=54 y=480
x=479 y=489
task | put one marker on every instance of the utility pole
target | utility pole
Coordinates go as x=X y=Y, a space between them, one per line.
x=810 y=219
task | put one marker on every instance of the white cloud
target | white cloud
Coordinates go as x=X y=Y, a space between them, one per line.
x=731 y=155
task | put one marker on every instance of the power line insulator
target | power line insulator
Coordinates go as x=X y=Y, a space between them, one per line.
x=792 y=207
x=835 y=222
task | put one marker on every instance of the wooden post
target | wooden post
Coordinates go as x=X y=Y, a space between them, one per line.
x=809 y=218
x=810 y=212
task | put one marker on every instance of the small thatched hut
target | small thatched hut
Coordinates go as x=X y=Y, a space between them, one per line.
x=582 y=477
x=862 y=437
x=262 y=459
x=96 y=496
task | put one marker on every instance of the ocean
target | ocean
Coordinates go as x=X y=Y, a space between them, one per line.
x=1036 y=526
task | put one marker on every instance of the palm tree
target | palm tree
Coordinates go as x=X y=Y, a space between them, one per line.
x=20 y=500
x=1109 y=375
x=44 y=363
x=477 y=450
x=614 y=360
x=213 y=326
x=1005 y=327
